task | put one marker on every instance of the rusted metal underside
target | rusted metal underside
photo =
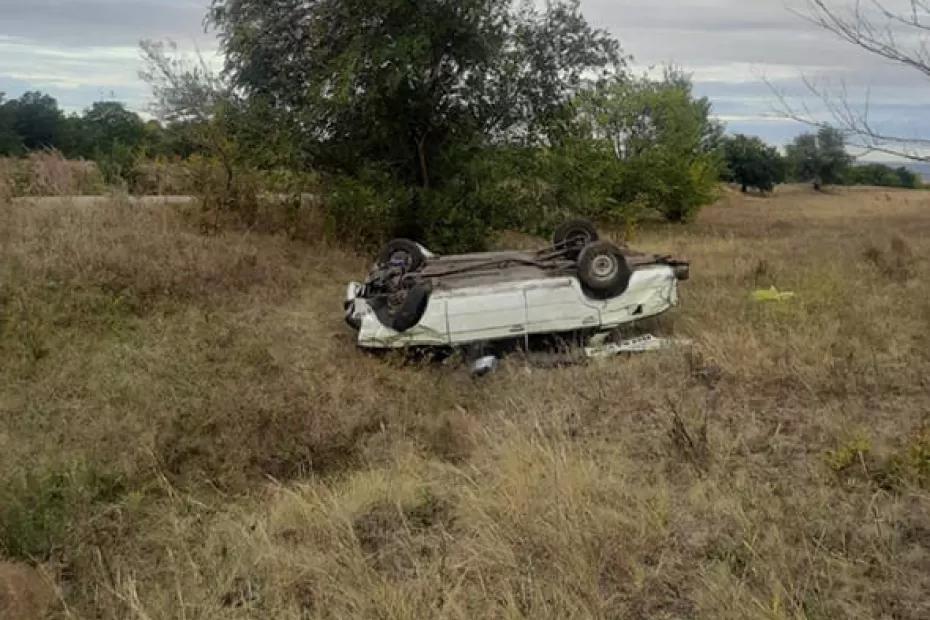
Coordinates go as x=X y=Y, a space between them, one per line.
x=486 y=269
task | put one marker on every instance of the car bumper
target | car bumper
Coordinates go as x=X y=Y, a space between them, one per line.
x=354 y=314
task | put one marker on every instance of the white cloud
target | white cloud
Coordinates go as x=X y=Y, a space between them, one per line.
x=82 y=50
x=732 y=46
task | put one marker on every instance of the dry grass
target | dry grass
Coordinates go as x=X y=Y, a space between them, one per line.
x=188 y=432
x=161 y=177
x=48 y=173
x=24 y=593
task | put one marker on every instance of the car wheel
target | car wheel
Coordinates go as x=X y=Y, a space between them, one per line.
x=575 y=235
x=603 y=269
x=409 y=314
x=404 y=253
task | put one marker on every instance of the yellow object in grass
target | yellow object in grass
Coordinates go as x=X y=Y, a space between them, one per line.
x=772 y=294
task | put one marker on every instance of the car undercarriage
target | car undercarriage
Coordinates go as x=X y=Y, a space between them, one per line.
x=413 y=297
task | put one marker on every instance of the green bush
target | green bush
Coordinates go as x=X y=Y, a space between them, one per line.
x=663 y=140
x=455 y=219
x=881 y=175
x=668 y=184
x=117 y=164
x=912 y=463
x=370 y=210
x=536 y=189
x=38 y=511
x=365 y=211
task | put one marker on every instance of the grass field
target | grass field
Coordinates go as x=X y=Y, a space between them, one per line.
x=186 y=431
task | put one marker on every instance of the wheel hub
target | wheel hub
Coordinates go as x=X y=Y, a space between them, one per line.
x=604 y=267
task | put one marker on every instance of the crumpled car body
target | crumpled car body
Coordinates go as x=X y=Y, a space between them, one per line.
x=481 y=298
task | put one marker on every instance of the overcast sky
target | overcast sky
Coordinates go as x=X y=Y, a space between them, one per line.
x=81 y=51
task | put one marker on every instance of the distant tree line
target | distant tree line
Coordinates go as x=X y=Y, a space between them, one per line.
x=107 y=133
x=883 y=176
x=818 y=158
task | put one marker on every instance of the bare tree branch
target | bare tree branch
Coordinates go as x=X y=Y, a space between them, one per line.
x=184 y=90
x=861 y=29
x=913 y=18
x=897 y=34
x=853 y=122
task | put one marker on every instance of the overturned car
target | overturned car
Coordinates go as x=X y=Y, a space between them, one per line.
x=414 y=298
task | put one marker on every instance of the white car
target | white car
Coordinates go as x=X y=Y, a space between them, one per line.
x=413 y=298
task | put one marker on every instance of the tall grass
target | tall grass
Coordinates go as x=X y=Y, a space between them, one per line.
x=224 y=451
x=48 y=173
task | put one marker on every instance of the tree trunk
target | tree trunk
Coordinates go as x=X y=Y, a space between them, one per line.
x=424 y=166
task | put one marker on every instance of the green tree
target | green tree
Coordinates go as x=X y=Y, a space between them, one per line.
x=109 y=122
x=411 y=90
x=37 y=121
x=10 y=142
x=112 y=136
x=881 y=175
x=819 y=158
x=750 y=162
x=664 y=139
x=908 y=178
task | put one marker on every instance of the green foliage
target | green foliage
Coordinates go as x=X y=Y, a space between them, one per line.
x=456 y=219
x=882 y=176
x=363 y=209
x=227 y=179
x=38 y=510
x=37 y=121
x=535 y=189
x=370 y=208
x=627 y=149
x=664 y=141
x=908 y=464
x=411 y=90
x=116 y=138
x=107 y=125
x=819 y=158
x=392 y=83
x=917 y=458
x=10 y=141
x=750 y=162
x=854 y=453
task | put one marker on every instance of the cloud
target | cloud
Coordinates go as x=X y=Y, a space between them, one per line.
x=83 y=50
x=733 y=46
x=120 y=23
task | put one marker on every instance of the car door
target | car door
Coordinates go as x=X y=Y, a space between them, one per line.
x=559 y=305
x=492 y=313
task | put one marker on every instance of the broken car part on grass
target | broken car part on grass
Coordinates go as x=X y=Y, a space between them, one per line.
x=581 y=284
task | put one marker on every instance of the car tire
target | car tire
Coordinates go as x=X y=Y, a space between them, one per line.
x=409 y=314
x=575 y=235
x=604 y=270
x=403 y=252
